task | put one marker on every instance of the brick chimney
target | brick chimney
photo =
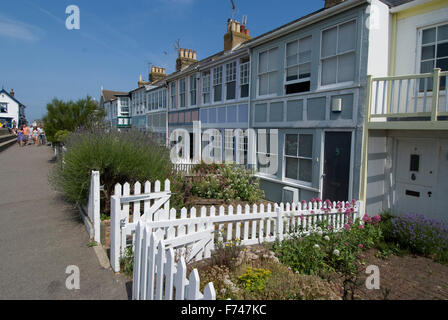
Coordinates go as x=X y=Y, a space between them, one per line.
x=332 y=3
x=236 y=34
x=11 y=93
x=140 y=82
x=186 y=57
x=156 y=74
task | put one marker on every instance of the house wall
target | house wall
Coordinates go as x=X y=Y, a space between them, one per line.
x=310 y=112
x=407 y=36
x=12 y=108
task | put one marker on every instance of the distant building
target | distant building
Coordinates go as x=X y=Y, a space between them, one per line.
x=12 y=111
x=116 y=107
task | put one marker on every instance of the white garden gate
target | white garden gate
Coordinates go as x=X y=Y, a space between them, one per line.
x=156 y=273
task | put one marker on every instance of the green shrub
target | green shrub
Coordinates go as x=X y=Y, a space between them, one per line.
x=254 y=279
x=119 y=157
x=218 y=181
x=324 y=251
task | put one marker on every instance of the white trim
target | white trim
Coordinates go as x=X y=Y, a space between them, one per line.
x=288 y=183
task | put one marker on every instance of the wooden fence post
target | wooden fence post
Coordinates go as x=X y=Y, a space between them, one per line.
x=115 y=233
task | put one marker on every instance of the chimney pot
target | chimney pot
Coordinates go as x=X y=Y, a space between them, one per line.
x=11 y=93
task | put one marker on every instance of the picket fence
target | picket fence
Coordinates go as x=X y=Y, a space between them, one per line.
x=249 y=225
x=91 y=212
x=156 y=274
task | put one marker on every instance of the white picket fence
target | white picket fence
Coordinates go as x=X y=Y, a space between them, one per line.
x=249 y=225
x=93 y=207
x=156 y=274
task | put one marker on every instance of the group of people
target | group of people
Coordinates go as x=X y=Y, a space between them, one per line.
x=29 y=135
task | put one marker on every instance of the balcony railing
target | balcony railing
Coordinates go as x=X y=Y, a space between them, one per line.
x=417 y=97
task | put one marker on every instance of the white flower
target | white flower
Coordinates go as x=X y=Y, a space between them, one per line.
x=316 y=246
x=327 y=238
x=336 y=252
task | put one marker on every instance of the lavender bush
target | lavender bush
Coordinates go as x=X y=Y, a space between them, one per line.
x=421 y=235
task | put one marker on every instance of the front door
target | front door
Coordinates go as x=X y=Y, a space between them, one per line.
x=336 y=176
x=416 y=176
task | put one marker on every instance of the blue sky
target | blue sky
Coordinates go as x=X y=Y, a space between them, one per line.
x=40 y=59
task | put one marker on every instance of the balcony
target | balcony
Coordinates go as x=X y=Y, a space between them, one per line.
x=417 y=101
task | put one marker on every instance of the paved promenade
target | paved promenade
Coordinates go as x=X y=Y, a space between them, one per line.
x=41 y=234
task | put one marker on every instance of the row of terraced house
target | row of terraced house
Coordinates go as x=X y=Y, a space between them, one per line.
x=356 y=91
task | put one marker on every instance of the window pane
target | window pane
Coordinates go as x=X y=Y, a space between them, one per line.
x=442 y=64
x=263 y=62
x=306 y=145
x=273 y=59
x=217 y=94
x=244 y=91
x=305 y=170
x=442 y=33
x=291 y=168
x=305 y=70
x=291 y=48
x=442 y=50
x=329 y=71
x=231 y=90
x=263 y=84
x=329 y=42
x=291 y=145
x=429 y=36
x=305 y=44
x=347 y=36
x=346 y=67
x=273 y=82
x=427 y=66
x=428 y=52
x=291 y=60
x=291 y=74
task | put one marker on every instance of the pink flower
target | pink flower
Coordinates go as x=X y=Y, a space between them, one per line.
x=313 y=200
x=376 y=218
x=361 y=245
x=312 y=211
x=366 y=218
x=346 y=227
x=353 y=201
x=350 y=222
x=361 y=227
x=330 y=227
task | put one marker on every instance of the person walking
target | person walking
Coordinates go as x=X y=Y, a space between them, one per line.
x=20 y=136
x=35 y=135
x=26 y=134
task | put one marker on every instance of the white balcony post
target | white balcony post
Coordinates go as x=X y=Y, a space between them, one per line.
x=435 y=94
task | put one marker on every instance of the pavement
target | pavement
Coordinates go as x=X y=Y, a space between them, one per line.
x=41 y=235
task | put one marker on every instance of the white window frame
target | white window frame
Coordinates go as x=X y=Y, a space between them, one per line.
x=267 y=154
x=294 y=181
x=182 y=93
x=268 y=72
x=337 y=55
x=419 y=51
x=206 y=75
x=243 y=77
x=173 y=94
x=231 y=78
x=216 y=82
x=191 y=90
x=297 y=65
